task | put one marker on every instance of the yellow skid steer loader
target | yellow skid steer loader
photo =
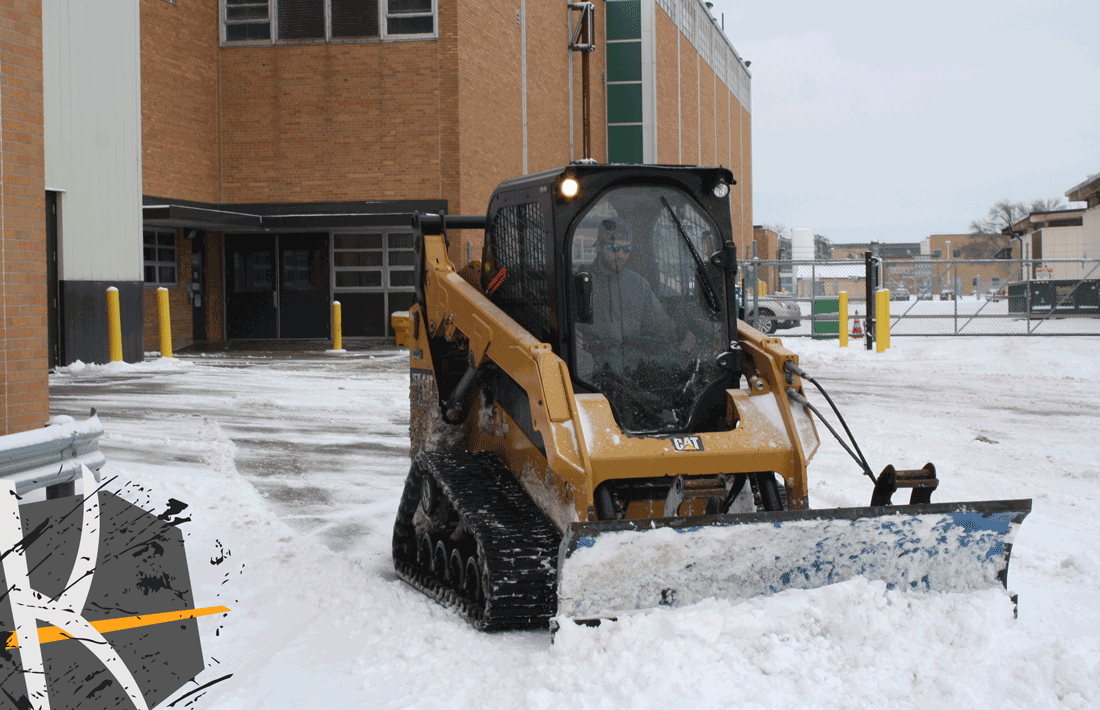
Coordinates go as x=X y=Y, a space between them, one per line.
x=595 y=432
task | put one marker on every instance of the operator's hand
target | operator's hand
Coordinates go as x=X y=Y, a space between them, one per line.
x=688 y=343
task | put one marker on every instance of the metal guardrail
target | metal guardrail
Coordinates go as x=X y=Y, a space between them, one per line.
x=51 y=456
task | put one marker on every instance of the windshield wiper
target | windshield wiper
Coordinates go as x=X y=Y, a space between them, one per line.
x=701 y=269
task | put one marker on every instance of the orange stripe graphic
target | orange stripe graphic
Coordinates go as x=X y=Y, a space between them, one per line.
x=48 y=634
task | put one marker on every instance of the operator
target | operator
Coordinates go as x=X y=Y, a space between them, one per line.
x=624 y=306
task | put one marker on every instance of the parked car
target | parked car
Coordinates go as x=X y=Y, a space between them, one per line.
x=899 y=294
x=773 y=313
x=947 y=295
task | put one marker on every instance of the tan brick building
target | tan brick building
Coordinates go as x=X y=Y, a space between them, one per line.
x=949 y=264
x=23 y=262
x=269 y=153
x=285 y=143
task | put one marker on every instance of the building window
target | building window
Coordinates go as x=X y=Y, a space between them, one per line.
x=409 y=17
x=160 y=257
x=936 y=253
x=247 y=20
x=301 y=19
x=266 y=21
x=956 y=253
x=373 y=261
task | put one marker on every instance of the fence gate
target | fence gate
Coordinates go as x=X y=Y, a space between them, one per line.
x=931 y=296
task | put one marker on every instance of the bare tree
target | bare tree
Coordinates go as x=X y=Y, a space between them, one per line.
x=1005 y=213
x=1001 y=216
x=1048 y=204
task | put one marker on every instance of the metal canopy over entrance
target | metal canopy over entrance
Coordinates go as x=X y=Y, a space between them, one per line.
x=284 y=264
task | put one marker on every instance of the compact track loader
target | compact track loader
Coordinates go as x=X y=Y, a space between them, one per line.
x=594 y=432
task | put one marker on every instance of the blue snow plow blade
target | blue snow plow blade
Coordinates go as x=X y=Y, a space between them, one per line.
x=606 y=569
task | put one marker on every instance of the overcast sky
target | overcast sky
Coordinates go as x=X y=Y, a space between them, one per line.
x=896 y=120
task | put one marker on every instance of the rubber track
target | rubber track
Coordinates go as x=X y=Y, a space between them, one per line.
x=518 y=543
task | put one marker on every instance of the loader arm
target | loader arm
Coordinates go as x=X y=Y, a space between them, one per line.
x=461 y=314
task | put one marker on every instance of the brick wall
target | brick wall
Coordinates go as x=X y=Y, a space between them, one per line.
x=179 y=130
x=689 y=103
x=215 y=288
x=714 y=126
x=179 y=303
x=490 y=98
x=707 y=147
x=179 y=99
x=324 y=122
x=668 y=86
x=24 y=394
x=743 y=171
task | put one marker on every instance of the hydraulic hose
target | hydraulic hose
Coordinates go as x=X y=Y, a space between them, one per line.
x=791 y=368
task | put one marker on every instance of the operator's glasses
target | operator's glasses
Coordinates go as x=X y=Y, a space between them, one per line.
x=616 y=248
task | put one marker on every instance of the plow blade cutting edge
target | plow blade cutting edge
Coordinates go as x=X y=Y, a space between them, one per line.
x=611 y=568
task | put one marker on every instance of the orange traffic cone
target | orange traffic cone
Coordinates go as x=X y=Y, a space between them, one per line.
x=857 y=329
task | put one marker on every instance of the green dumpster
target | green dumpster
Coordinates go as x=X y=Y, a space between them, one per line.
x=826 y=319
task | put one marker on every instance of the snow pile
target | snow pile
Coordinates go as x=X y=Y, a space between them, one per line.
x=159 y=364
x=853 y=644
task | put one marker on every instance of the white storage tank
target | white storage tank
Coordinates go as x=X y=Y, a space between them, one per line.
x=802 y=244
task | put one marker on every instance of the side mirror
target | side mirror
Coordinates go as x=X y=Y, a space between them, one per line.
x=582 y=296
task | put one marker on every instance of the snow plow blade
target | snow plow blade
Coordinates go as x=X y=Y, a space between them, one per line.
x=607 y=569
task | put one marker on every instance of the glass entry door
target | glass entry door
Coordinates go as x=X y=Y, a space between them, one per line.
x=277 y=286
x=304 y=286
x=251 y=302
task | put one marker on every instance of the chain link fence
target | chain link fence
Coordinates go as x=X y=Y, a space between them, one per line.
x=928 y=296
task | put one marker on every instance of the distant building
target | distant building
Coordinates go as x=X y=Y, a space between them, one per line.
x=1089 y=193
x=951 y=264
x=886 y=250
x=769 y=248
x=1058 y=234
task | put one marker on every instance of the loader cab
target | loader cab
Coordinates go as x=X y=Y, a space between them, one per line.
x=613 y=265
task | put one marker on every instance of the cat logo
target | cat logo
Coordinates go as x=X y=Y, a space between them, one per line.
x=687 y=443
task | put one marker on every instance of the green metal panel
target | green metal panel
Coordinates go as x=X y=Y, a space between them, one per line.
x=624 y=103
x=624 y=19
x=624 y=144
x=624 y=61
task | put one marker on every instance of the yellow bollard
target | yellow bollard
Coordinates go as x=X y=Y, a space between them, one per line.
x=886 y=325
x=843 y=315
x=762 y=288
x=337 y=334
x=165 y=323
x=114 y=325
x=882 y=320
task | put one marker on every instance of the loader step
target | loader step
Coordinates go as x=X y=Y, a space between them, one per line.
x=501 y=550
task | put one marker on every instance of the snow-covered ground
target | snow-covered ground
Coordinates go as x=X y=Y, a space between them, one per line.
x=292 y=467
